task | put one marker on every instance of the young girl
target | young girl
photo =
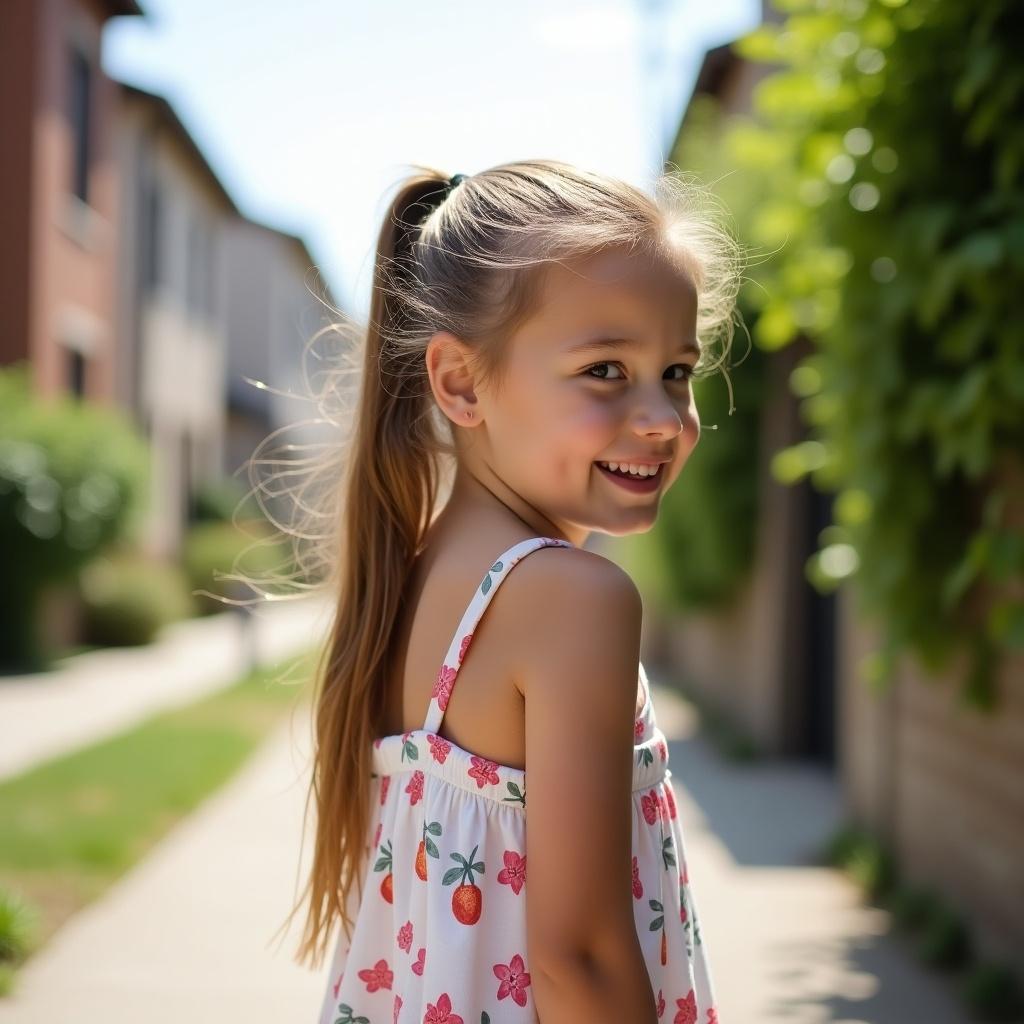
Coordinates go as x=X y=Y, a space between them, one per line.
x=534 y=330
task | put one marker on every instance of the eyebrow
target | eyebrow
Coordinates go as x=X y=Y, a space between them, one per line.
x=598 y=343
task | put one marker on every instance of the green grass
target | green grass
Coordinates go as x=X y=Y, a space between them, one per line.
x=73 y=825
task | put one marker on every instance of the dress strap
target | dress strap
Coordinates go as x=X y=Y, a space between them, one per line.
x=481 y=598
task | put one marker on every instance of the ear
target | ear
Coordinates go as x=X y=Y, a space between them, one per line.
x=451 y=379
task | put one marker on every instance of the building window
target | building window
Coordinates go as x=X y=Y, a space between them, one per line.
x=80 y=76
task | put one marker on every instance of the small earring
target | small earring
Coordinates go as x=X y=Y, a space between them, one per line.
x=469 y=414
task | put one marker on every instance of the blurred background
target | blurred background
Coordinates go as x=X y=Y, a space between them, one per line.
x=834 y=593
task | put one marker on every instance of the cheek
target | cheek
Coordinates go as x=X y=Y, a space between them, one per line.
x=586 y=423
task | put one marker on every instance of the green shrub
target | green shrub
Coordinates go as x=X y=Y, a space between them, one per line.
x=946 y=942
x=221 y=500
x=911 y=905
x=127 y=598
x=18 y=923
x=865 y=858
x=213 y=549
x=994 y=993
x=72 y=477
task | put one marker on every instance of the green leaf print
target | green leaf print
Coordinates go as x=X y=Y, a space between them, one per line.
x=658 y=921
x=346 y=1016
x=466 y=870
x=666 y=851
x=434 y=828
x=644 y=756
x=384 y=861
x=518 y=796
x=409 y=748
x=486 y=585
x=485 y=1018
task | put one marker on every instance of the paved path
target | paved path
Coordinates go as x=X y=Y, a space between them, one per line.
x=103 y=692
x=186 y=936
x=789 y=942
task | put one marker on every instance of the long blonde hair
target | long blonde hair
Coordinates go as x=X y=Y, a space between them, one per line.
x=466 y=261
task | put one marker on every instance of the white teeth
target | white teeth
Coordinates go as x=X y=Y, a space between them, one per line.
x=641 y=471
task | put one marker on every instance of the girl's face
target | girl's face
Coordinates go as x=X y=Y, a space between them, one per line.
x=572 y=398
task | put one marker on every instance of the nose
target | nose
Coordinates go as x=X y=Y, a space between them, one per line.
x=657 y=416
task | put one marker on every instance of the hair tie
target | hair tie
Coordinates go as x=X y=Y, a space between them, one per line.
x=455 y=180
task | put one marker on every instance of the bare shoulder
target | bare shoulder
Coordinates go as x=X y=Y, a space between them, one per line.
x=562 y=598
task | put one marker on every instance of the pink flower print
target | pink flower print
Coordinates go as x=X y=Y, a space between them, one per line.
x=671 y=798
x=439 y=747
x=712 y=1015
x=398 y=1006
x=662 y=750
x=443 y=686
x=684 y=878
x=405 y=936
x=465 y=646
x=384 y=783
x=663 y=804
x=483 y=771
x=649 y=803
x=638 y=729
x=337 y=984
x=376 y=835
x=442 y=1012
x=415 y=787
x=661 y=1004
x=417 y=967
x=514 y=871
x=514 y=979
x=638 y=889
x=687 y=1009
x=377 y=742
x=377 y=976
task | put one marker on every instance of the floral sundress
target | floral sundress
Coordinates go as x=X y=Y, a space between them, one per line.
x=440 y=931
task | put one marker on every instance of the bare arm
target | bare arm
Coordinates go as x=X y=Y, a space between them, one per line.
x=580 y=617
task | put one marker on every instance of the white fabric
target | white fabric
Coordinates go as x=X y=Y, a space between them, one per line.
x=440 y=932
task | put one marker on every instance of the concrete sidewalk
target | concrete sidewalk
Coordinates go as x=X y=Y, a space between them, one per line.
x=789 y=941
x=97 y=694
x=187 y=934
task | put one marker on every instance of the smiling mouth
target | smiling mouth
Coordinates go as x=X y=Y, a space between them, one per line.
x=638 y=484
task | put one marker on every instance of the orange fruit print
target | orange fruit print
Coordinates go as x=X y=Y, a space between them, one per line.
x=467 y=899
x=387 y=887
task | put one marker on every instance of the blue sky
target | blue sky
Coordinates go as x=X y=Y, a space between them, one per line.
x=309 y=111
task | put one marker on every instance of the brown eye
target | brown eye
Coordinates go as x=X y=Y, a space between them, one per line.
x=596 y=365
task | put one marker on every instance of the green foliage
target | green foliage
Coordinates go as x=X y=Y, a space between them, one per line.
x=892 y=145
x=18 y=921
x=868 y=861
x=701 y=548
x=994 y=993
x=946 y=942
x=706 y=533
x=127 y=598
x=223 y=500
x=72 y=476
x=911 y=906
x=73 y=825
x=215 y=552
